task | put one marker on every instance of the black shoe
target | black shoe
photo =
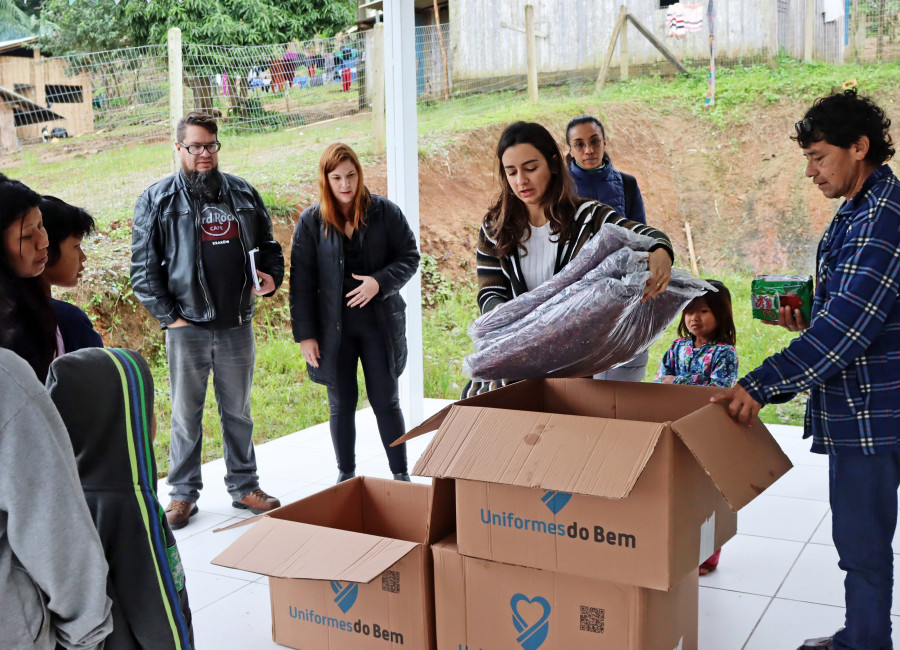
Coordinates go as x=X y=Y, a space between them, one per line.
x=821 y=643
x=345 y=476
x=402 y=476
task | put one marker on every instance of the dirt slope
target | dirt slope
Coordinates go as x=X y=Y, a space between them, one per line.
x=743 y=192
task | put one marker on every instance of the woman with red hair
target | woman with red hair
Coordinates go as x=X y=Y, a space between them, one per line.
x=352 y=253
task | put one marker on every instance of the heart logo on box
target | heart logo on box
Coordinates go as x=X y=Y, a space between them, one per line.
x=555 y=501
x=346 y=594
x=532 y=636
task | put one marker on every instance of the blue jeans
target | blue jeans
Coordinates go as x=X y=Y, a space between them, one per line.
x=230 y=353
x=863 y=495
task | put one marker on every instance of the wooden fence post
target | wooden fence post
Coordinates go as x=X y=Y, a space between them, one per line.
x=623 y=52
x=531 y=53
x=810 y=32
x=176 y=87
x=604 y=68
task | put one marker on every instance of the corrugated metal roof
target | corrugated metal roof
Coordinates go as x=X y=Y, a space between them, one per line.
x=16 y=43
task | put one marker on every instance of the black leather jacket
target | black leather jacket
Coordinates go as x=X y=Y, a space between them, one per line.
x=166 y=263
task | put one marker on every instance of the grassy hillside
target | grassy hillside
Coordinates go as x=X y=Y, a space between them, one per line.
x=730 y=171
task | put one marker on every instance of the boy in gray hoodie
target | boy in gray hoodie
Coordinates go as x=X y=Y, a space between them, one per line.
x=52 y=569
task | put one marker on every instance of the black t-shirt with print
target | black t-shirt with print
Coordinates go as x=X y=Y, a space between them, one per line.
x=223 y=263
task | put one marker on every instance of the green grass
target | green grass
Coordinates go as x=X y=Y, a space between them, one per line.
x=755 y=342
x=105 y=176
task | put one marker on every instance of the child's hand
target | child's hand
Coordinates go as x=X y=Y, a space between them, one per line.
x=668 y=379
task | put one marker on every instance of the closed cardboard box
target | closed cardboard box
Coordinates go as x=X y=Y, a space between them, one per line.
x=349 y=567
x=484 y=605
x=624 y=482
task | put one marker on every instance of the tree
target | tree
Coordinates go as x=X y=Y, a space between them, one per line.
x=15 y=21
x=86 y=27
x=237 y=22
x=230 y=23
x=82 y=27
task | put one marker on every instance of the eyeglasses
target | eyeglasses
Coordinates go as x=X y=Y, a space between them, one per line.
x=197 y=149
x=595 y=143
x=804 y=126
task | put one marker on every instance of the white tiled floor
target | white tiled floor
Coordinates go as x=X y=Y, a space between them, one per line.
x=777 y=584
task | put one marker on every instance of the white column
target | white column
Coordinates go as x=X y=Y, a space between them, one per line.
x=403 y=179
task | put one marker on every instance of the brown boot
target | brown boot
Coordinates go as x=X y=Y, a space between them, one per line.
x=179 y=512
x=257 y=502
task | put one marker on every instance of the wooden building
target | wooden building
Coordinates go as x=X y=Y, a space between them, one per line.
x=57 y=97
x=487 y=37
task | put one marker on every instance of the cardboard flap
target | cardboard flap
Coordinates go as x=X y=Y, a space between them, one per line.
x=428 y=425
x=287 y=549
x=512 y=396
x=569 y=453
x=742 y=461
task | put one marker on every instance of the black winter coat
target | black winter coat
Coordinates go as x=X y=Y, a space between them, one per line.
x=317 y=276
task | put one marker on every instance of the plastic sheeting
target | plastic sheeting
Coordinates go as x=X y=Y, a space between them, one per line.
x=587 y=319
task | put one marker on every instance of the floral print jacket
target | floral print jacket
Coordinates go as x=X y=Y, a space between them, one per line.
x=713 y=364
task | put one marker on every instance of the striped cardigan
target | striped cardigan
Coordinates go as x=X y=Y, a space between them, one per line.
x=500 y=277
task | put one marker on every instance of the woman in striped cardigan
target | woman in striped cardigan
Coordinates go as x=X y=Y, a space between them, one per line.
x=538 y=224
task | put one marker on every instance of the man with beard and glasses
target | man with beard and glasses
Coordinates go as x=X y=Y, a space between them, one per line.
x=190 y=267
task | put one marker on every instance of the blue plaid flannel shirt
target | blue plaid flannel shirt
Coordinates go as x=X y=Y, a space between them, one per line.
x=849 y=357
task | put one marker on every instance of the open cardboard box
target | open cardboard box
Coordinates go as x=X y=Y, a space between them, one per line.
x=350 y=567
x=632 y=483
x=484 y=604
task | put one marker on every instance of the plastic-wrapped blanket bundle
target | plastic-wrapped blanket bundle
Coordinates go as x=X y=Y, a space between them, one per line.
x=587 y=319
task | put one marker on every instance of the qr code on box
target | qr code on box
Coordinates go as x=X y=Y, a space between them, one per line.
x=390 y=581
x=592 y=619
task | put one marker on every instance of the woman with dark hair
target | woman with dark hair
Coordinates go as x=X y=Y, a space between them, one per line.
x=593 y=173
x=27 y=323
x=538 y=224
x=596 y=178
x=352 y=253
x=66 y=228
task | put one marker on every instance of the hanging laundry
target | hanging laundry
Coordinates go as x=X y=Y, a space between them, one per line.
x=682 y=18
x=693 y=17
x=834 y=9
x=675 y=20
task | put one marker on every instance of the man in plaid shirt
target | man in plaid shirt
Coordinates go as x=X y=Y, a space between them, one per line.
x=848 y=356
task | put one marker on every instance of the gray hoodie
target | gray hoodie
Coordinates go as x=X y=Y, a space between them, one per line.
x=52 y=567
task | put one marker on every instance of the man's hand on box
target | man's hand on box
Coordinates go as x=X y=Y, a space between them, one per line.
x=740 y=405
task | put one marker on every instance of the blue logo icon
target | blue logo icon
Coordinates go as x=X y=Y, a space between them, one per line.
x=531 y=636
x=555 y=501
x=346 y=594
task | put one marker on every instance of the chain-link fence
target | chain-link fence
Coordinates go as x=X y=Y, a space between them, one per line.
x=273 y=87
x=872 y=30
x=58 y=111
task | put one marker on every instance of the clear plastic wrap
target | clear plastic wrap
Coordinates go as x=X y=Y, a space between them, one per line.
x=580 y=323
x=608 y=239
